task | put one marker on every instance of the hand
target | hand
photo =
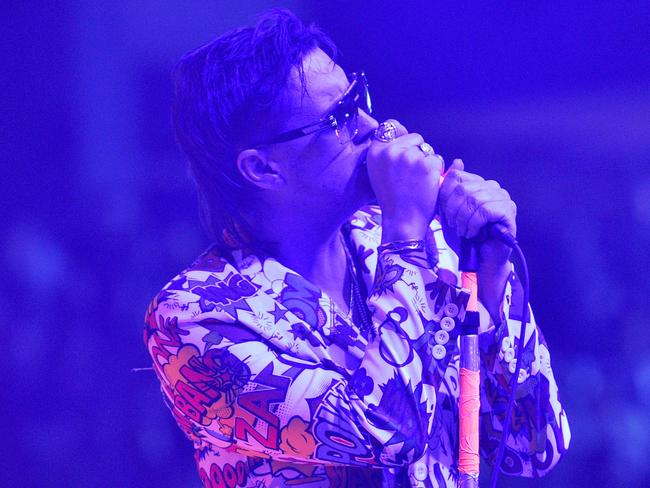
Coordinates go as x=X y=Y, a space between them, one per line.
x=468 y=203
x=405 y=180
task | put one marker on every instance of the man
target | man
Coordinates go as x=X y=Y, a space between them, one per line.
x=316 y=342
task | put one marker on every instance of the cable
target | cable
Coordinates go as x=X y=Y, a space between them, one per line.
x=515 y=376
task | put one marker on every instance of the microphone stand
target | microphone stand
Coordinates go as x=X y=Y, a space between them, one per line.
x=470 y=365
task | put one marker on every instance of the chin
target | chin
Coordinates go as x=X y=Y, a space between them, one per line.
x=363 y=194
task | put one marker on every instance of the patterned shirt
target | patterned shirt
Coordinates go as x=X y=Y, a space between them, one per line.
x=277 y=387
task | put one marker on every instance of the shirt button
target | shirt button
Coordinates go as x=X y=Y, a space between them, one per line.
x=277 y=286
x=512 y=365
x=442 y=337
x=544 y=356
x=508 y=355
x=420 y=471
x=439 y=351
x=534 y=368
x=447 y=323
x=522 y=375
x=506 y=343
x=451 y=310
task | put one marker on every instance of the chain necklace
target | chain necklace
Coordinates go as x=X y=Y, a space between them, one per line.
x=359 y=313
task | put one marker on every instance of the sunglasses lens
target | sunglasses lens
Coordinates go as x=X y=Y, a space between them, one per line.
x=347 y=113
x=346 y=121
x=365 y=103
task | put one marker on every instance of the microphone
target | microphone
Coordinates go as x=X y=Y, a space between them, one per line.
x=468 y=256
x=493 y=230
x=497 y=231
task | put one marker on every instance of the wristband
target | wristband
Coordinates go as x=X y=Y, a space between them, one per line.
x=402 y=246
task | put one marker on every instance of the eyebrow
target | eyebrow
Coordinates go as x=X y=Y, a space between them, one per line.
x=338 y=96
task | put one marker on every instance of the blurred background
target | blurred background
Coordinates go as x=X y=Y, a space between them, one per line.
x=551 y=99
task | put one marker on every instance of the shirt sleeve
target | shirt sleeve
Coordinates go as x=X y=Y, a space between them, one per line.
x=539 y=432
x=413 y=306
x=236 y=386
x=432 y=307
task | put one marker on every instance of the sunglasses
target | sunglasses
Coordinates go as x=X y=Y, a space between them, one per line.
x=343 y=117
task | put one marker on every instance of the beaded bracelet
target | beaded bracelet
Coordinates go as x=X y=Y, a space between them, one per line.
x=402 y=246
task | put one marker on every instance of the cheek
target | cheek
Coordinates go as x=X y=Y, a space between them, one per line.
x=326 y=164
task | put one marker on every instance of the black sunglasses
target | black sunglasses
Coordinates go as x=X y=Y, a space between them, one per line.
x=342 y=118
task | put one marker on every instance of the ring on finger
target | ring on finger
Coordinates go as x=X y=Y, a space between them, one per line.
x=386 y=131
x=426 y=148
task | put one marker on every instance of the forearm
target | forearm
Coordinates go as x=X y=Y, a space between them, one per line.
x=492 y=282
x=418 y=311
x=403 y=228
x=540 y=432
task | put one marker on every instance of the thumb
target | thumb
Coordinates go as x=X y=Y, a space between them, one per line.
x=457 y=164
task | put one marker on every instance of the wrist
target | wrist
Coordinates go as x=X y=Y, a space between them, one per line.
x=494 y=256
x=401 y=229
x=492 y=282
x=402 y=246
x=494 y=270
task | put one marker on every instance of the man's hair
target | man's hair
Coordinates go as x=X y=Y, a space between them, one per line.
x=225 y=94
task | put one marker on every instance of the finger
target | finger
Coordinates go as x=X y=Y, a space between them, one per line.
x=457 y=164
x=472 y=201
x=440 y=162
x=428 y=162
x=459 y=200
x=404 y=147
x=409 y=140
x=474 y=194
x=400 y=130
x=378 y=146
x=454 y=178
x=501 y=211
x=454 y=184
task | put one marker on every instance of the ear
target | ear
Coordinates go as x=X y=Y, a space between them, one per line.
x=259 y=169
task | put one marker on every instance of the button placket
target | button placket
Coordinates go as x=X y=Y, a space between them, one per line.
x=441 y=337
x=439 y=351
x=512 y=365
x=451 y=310
x=447 y=324
x=420 y=471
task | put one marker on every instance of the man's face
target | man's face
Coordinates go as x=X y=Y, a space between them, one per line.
x=322 y=173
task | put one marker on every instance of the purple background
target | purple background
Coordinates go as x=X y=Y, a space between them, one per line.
x=551 y=100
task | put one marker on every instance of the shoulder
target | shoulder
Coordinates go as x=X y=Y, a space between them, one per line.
x=210 y=267
x=197 y=289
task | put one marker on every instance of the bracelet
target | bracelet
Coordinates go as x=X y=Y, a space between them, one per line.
x=402 y=246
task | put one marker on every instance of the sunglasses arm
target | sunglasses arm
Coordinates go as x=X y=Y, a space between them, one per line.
x=329 y=122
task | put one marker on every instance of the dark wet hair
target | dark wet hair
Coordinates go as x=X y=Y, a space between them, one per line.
x=225 y=94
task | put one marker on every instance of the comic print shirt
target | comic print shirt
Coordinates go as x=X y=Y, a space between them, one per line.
x=276 y=387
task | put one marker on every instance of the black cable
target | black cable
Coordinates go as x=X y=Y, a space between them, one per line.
x=515 y=376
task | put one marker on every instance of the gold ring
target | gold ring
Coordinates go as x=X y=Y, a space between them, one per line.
x=426 y=148
x=386 y=132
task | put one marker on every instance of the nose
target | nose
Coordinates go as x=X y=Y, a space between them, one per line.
x=366 y=127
